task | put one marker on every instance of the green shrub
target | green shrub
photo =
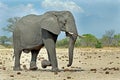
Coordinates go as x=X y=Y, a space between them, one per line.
x=62 y=43
x=98 y=45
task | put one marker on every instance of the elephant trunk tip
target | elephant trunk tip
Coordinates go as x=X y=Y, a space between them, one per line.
x=68 y=65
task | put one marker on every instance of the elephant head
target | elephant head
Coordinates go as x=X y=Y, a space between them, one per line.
x=57 y=21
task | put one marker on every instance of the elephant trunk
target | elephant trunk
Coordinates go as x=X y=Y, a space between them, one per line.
x=71 y=32
x=71 y=49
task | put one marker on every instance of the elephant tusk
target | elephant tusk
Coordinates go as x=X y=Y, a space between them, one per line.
x=81 y=36
x=76 y=35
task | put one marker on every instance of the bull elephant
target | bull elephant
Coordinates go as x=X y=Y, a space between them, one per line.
x=32 y=32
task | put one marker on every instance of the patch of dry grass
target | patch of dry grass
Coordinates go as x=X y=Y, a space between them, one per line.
x=88 y=64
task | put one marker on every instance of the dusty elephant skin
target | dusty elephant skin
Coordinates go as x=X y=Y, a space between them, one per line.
x=32 y=32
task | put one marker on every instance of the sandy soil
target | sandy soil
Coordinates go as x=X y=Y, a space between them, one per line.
x=89 y=64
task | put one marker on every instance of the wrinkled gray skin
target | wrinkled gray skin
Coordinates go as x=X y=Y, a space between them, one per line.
x=32 y=32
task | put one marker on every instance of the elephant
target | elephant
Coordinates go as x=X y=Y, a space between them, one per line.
x=32 y=32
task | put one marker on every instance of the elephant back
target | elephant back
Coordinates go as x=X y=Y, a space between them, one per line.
x=31 y=19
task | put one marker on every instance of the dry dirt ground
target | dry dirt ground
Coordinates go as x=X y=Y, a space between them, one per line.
x=88 y=64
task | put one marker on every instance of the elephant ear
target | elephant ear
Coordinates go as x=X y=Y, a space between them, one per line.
x=50 y=23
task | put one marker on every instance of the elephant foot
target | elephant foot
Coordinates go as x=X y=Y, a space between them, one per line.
x=33 y=68
x=33 y=65
x=45 y=63
x=17 y=69
x=55 y=70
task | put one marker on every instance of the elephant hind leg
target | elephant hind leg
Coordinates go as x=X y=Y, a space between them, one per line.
x=34 y=54
x=17 y=54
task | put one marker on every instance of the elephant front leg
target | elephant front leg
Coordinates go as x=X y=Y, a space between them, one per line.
x=50 y=46
x=17 y=54
x=33 y=65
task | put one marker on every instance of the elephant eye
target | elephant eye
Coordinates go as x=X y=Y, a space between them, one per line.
x=65 y=22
